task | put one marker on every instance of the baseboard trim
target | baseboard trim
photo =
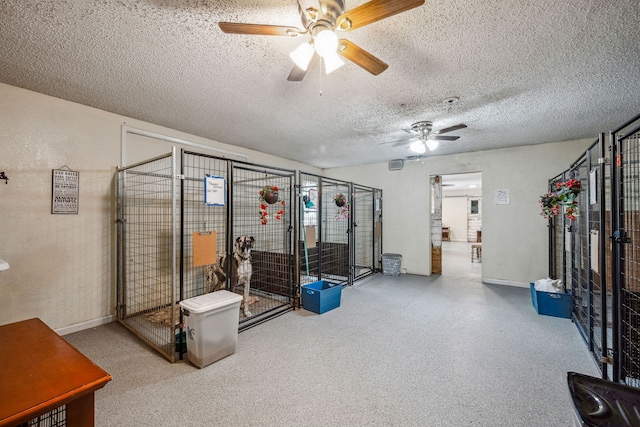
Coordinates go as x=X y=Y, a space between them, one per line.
x=505 y=283
x=85 y=325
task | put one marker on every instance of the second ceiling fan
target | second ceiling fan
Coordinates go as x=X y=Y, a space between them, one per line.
x=425 y=137
x=321 y=24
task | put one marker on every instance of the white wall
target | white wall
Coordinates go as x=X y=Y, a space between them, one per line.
x=455 y=208
x=514 y=236
x=62 y=265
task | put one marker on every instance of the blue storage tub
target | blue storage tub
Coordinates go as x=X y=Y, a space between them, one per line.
x=320 y=296
x=551 y=303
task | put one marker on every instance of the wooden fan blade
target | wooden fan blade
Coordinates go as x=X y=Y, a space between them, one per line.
x=259 y=29
x=445 y=137
x=297 y=74
x=361 y=57
x=373 y=11
x=452 y=128
x=399 y=142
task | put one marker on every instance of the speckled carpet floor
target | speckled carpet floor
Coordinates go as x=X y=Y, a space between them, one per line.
x=399 y=351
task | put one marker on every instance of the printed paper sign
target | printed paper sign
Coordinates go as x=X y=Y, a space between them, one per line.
x=214 y=190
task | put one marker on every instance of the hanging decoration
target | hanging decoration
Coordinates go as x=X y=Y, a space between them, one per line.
x=563 y=200
x=269 y=196
x=343 y=207
x=340 y=200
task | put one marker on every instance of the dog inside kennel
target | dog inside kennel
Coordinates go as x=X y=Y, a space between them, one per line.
x=190 y=224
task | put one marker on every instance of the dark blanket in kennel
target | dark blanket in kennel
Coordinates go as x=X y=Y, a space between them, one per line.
x=272 y=272
x=335 y=259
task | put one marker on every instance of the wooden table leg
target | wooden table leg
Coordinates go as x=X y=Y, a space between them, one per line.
x=80 y=412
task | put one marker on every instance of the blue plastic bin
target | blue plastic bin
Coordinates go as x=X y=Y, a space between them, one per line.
x=551 y=303
x=320 y=296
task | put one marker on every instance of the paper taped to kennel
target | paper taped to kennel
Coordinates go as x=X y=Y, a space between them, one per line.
x=212 y=326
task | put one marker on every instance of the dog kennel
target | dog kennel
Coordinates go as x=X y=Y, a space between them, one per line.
x=597 y=253
x=176 y=215
x=340 y=225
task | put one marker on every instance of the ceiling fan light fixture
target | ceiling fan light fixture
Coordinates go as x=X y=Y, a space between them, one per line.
x=432 y=144
x=418 y=147
x=325 y=42
x=332 y=62
x=302 y=55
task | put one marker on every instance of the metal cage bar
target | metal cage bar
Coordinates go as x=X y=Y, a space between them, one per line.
x=336 y=200
x=364 y=238
x=309 y=224
x=580 y=272
x=598 y=320
x=556 y=240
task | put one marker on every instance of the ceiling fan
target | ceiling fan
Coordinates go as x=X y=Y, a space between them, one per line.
x=425 y=137
x=321 y=24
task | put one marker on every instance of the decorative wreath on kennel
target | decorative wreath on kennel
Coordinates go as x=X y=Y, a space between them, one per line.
x=563 y=199
x=269 y=196
x=343 y=207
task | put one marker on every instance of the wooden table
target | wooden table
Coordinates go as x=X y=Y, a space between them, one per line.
x=40 y=371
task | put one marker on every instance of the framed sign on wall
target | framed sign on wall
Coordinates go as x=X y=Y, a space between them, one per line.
x=65 y=186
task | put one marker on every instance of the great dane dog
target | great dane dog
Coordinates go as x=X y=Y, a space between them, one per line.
x=241 y=270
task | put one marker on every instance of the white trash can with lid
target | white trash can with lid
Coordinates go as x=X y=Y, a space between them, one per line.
x=212 y=326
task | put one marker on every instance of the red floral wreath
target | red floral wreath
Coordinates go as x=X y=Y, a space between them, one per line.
x=264 y=214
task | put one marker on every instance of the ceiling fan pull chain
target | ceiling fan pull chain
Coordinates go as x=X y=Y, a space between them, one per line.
x=320 y=68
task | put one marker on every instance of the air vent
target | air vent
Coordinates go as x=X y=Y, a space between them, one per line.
x=396 y=165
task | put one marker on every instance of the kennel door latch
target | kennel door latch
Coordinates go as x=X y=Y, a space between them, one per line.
x=620 y=236
x=179 y=176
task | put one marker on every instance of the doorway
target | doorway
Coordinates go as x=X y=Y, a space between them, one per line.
x=459 y=213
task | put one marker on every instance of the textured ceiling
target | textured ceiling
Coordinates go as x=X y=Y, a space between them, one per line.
x=526 y=72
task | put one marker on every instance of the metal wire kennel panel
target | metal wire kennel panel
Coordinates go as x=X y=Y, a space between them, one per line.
x=580 y=282
x=325 y=216
x=626 y=255
x=557 y=252
x=309 y=225
x=201 y=219
x=335 y=228
x=606 y=260
x=269 y=220
x=599 y=298
x=367 y=231
x=587 y=252
x=146 y=253
x=377 y=229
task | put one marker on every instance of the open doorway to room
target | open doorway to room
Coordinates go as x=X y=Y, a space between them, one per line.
x=459 y=210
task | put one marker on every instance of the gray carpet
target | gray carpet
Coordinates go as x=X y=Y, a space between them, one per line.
x=399 y=351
